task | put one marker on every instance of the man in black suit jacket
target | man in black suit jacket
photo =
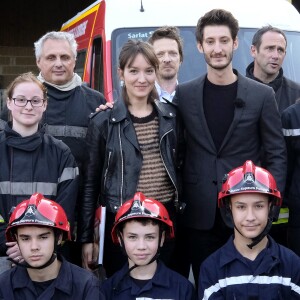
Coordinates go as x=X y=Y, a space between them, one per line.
x=227 y=119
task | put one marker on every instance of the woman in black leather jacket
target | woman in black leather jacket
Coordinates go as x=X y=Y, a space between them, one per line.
x=132 y=147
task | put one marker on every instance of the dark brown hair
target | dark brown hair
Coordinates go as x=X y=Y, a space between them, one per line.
x=217 y=17
x=128 y=53
x=168 y=32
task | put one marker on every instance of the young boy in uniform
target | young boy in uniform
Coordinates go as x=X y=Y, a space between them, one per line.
x=141 y=226
x=251 y=265
x=39 y=226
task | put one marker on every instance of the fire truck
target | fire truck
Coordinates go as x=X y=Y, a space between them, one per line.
x=102 y=28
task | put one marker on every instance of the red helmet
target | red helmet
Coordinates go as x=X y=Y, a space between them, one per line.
x=142 y=207
x=38 y=211
x=249 y=179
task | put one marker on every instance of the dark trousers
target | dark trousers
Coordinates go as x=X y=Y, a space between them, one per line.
x=193 y=246
x=293 y=234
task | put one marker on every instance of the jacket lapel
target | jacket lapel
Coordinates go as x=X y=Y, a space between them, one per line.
x=238 y=109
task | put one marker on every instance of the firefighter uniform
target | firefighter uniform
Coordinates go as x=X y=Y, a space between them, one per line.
x=165 y=284
x=71 y=283
x=274 y=274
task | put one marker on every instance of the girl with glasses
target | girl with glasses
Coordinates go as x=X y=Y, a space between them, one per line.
x=30 y=160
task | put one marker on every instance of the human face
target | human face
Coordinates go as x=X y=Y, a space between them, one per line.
x=139 y=79
x=166 y=50
x=36 y=244
x=268 y=58
x=57 y=61
x=26 y=119
x=250 y=214
x=217 y=46
x=141 y=242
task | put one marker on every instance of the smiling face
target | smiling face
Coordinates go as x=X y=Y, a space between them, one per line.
x=140 y=241
x=217 y=46
x=26 y=119
x=57 y=61
x=167 y=52
x=36 y=244
x=250 y=214
x=268 y=58
x=139 y=79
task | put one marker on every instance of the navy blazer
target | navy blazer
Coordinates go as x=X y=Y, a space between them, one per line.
x=256 y=125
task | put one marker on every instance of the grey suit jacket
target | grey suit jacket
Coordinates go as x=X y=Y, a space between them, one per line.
x=256 y=125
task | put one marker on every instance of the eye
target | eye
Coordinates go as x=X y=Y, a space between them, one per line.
x=150 y=71
x=132 y=71
x=24 y=239
x=65 y=57
x=131 y=237
x=51 y=57
x=150 y=237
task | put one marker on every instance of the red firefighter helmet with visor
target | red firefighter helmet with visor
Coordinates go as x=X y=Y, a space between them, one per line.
x=38 y=211
x=249 y=179
x=142 y=207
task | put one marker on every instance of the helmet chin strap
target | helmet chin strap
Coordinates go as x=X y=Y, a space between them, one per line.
x=256 y=240
x=45 y=265
x=154 y=258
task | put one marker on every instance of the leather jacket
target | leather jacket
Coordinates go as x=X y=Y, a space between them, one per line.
x=112 y=171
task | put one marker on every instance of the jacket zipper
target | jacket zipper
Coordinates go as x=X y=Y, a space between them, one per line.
x=122 y=166
x=162 y=159
x=106 y=171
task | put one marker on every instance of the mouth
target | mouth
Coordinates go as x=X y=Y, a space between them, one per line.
x=35 y=257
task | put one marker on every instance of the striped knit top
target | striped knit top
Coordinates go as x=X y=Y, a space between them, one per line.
x=154 y=180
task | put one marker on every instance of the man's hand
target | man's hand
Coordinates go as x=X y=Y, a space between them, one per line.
x=89 y=255
x=13 y=252
x=105 y=106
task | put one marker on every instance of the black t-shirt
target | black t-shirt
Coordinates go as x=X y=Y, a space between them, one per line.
x=40 y=287
x=218 y=105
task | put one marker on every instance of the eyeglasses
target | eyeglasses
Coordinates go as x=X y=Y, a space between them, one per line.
x=22 y=102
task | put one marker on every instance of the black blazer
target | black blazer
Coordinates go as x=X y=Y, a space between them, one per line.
x=256 y=125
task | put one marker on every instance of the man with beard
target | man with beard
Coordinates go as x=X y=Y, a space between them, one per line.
x=227 y=119
x=168 y=48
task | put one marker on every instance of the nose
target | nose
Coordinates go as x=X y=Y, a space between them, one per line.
x=28 y=105
x=34 y=245
x=166 y=57
x=217 y=48
x=141 y=244
x=142 y=77
x=250 y=214
x=58 y=62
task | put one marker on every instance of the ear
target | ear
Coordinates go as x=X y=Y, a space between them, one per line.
x=9 y=103
x=235 y=43
x=163 y=236
x=38 y=63
x=200 y=48
x=121 y=74
x=45 y=105
x=253 y=51
x=60 y=239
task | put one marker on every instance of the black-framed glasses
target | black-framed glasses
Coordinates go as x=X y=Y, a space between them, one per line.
x=22 y=102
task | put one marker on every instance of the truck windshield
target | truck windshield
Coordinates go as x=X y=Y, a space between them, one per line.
x=193 y=62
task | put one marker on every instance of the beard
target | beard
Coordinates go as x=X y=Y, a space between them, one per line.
x=218 y=66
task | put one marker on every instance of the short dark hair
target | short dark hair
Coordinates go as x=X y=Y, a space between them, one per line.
x=217 y=17
x=256 y=40
x=168 y=32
